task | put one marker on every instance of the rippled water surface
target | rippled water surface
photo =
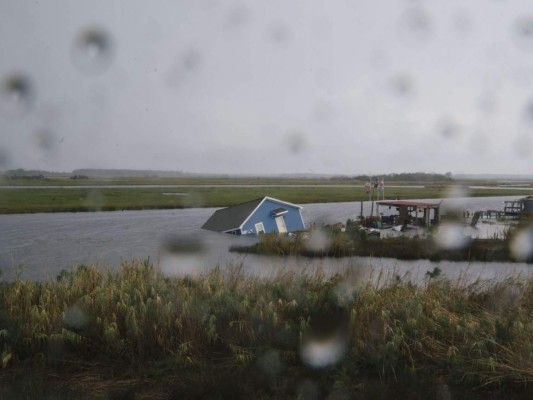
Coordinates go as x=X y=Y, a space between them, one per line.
x=39 y=246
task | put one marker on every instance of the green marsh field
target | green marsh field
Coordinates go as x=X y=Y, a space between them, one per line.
x=67 y=195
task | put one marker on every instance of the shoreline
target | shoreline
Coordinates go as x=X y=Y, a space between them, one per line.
x=399 y=248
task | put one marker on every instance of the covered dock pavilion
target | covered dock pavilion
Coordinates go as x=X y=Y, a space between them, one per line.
x=406 y=209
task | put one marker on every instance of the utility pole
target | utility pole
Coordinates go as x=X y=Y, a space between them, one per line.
x=368 y=189
x=371 y=201
x=381 y=188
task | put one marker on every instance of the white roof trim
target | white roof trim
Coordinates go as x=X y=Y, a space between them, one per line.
x=285 y=211
x=301 y=217
x=282 y=202
x=271 y=199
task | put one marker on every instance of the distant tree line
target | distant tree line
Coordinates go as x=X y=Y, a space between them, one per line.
x=400 y=177
x=21 y=173
x=25 y=177
x=87 y=173
x=127 y=173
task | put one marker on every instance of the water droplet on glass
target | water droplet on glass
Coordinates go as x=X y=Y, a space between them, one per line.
x=402 y=84
x=448 y=128
x=457 y=191
x=451 y=236
x=75 y=318
x=174 y=244
x=94 y=200
x=182 y=256
x=527 y=112
x=523 y=32
x=93 y=51
x=296 y=142
x=16 y=95
x=191 y=59
x=320 y=353
x=415 y=25
x=347 y=289
x=194 y=200
x=279 y=32
x=318 y=240
x=462 y=21
x=345 y=292
x=238 y=15
x=45 y=141
x=521 y=244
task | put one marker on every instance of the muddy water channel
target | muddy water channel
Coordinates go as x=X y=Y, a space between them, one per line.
x=39 y=246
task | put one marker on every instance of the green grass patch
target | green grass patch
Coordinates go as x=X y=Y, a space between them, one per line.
x=74 y=199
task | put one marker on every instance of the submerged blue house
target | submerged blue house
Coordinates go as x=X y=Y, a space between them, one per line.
x=264 y=215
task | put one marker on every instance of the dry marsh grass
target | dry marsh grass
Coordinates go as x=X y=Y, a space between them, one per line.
x=229 y=331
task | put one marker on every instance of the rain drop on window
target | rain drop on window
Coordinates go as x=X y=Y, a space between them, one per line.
x=528 y=112
x=279 y=32
x=415 y=25
x=45 y=141
x=451 y=236
x=93 y=51
x=296 y=141
x=521 y=244
x=16 y=95
x=523 y=32
x=402 y=84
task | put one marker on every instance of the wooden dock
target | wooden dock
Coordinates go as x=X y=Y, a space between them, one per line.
x=512 y=210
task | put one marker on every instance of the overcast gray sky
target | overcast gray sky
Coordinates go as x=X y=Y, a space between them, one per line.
x=277 y=86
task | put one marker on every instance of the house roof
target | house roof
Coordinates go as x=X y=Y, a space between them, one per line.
x=232 y=218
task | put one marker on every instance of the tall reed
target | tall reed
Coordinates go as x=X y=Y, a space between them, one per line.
x=473 y=334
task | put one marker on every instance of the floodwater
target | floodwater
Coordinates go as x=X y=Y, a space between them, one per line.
x=39 y=246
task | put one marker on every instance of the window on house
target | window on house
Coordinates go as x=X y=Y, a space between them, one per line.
x=259 y=228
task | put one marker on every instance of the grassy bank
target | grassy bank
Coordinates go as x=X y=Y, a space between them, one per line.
x=135 y=333
x=76 y=199
x=356 y=243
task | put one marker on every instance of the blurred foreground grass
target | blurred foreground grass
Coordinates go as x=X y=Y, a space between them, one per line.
x=140 y=334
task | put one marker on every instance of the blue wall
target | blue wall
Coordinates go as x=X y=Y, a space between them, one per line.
x=293 y=220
